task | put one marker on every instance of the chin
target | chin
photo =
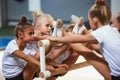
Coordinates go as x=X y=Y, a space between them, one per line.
x=47 y=33
x=30 y=42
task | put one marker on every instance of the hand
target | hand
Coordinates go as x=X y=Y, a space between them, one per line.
x=36 y=38
x=50 y=68
x=64 y=33
x=64 y=65
x=49 y=37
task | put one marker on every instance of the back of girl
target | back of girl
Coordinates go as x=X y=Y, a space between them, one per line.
x=106 y=36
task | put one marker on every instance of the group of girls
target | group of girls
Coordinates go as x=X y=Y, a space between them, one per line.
x=21 y=56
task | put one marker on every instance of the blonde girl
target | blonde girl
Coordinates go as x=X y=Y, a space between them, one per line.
x=42 y=26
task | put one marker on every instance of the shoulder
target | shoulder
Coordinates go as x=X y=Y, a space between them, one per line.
x=12 y=46
x=12 y=42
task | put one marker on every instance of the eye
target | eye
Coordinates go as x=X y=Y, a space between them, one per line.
x=51 y=26
x=31 y=33
x=47 y=25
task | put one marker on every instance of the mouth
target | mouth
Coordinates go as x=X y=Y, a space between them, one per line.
x=48 y=31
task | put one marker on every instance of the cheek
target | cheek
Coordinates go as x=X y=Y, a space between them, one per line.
x=28 y=39
x=25 y=40
x=43 y=28
x=91 y=24
x=118 y=26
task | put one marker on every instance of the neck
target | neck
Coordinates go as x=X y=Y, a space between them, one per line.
x=21 y=44
x=101 y=25
x=119 y=30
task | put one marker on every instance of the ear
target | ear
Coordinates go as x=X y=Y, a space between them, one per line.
x=37 y=27
x=20 y=35
x=95 y=20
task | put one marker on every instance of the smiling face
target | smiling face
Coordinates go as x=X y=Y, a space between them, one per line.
x=27 y=34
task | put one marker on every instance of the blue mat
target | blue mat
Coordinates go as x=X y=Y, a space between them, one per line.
x=4 y=41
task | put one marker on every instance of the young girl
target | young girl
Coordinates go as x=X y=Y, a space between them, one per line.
x=99 y=17
x=19 y=62
x=42 y=26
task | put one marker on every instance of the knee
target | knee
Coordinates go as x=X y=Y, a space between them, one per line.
x=74 y=54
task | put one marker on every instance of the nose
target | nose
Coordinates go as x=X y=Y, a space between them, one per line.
x=49 y=27
x=32 y=35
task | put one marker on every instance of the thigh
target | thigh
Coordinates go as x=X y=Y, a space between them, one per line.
x=29 y=71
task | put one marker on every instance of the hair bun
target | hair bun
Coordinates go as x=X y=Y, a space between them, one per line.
x=23 y=20
x=37 y=13
x=100 y=2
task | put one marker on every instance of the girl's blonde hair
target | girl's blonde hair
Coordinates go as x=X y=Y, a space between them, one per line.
x=38 y=15
x=101 y=11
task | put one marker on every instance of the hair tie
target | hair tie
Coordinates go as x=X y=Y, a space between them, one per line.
x=100 y=2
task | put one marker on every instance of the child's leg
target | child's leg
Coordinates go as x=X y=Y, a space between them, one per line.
x=30 y=69
x=72 y=58
x=99 y=63
x=55 y=53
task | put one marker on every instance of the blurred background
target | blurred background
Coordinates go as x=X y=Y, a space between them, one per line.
x=12 y=10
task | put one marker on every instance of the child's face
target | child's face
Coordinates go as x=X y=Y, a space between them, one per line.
x=115 y=22
x=45 y=27
x=91 y=22
x=28 y=34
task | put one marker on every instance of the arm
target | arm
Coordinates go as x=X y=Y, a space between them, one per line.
x=94 y=47
x=72 y=38
x=36 y=38
x=48 y=49
x=27 y=58
x=85 y=31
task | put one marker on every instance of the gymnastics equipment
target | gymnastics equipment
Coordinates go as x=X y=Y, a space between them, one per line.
x=45 y=73
x=42 y=44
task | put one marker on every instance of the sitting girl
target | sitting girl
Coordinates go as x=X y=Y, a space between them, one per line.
x=19 y=62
